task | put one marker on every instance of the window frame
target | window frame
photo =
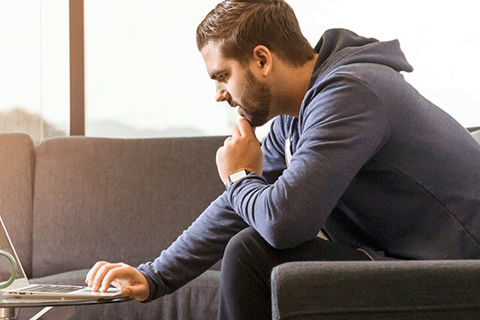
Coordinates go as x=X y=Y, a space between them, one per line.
x=77 y=68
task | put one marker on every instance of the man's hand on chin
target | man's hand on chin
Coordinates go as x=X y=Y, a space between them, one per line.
x=240 y=151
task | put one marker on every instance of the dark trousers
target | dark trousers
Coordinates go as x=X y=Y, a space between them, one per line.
x=248 y=262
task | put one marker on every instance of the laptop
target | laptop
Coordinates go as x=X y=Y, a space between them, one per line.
x=21 y=287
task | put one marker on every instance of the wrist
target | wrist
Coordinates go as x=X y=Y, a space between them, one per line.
x=236 y=176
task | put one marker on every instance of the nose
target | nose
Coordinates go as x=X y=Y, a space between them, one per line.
x=221 y=95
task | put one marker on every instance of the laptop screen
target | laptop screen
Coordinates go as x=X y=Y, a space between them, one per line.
x=5 y=265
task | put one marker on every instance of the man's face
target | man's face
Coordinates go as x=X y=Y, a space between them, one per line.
x=237 y=85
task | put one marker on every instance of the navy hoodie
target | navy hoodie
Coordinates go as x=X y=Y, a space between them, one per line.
x=372 y=164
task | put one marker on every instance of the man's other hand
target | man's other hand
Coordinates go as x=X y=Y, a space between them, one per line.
x=240 y=151
x=128 y=279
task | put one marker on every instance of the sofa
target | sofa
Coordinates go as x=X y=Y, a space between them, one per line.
x=70 y=202
x=73 y=201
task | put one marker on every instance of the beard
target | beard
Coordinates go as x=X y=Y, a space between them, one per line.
x=256 y=101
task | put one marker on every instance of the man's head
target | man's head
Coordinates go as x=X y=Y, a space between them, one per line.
x=237 y=85
x=257 y=56
x=238 y=26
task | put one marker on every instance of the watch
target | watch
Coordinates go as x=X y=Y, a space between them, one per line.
x=234 y=177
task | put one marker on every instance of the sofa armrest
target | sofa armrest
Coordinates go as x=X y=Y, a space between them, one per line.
x=377 y=290
x=17 y=169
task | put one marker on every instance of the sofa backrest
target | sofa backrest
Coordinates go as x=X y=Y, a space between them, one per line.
x=17 y=162
x=117 y=199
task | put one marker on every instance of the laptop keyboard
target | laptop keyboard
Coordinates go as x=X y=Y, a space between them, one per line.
x=54 y=288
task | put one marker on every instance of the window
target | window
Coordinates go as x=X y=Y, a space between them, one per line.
x=145 y=77
x=441 y=41
x=34 y=94
x=144 y=74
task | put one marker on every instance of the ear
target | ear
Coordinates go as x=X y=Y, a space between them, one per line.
x=262 y=60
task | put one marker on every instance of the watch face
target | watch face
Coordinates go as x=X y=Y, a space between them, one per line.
x=237 y=175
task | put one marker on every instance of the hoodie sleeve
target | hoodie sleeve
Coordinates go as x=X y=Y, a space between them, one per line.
x=204 y=242
x=342 y=125
x=194 y=251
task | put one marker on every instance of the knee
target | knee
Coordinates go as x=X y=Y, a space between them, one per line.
x=245 y=245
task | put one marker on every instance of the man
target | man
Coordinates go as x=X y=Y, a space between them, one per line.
x=357 y=166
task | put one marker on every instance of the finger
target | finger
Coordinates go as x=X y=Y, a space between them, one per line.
x=131 y=282
x=236 y=131
x=128 y=292
x=136 y=292
x=116 y=274
x=93 y=272
x=227 y=141
x=102 y=272
x=244 y=128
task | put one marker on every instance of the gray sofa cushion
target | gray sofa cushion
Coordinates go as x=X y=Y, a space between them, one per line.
x=198 y=300
x=117 y=199
x=17 y=162
x=377 y=290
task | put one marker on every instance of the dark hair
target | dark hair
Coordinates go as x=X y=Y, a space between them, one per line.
x=238 y=26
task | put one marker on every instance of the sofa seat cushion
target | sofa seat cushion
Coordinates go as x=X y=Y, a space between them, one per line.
x=377 y=290
x=198 y=300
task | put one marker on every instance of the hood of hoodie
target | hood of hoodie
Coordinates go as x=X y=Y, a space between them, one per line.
x=339 y=47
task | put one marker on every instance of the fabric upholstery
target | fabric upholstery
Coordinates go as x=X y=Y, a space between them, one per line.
x=95 y=198
x=17 y=162
x=98 y=198
x=198 y=300
x=377 y=290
